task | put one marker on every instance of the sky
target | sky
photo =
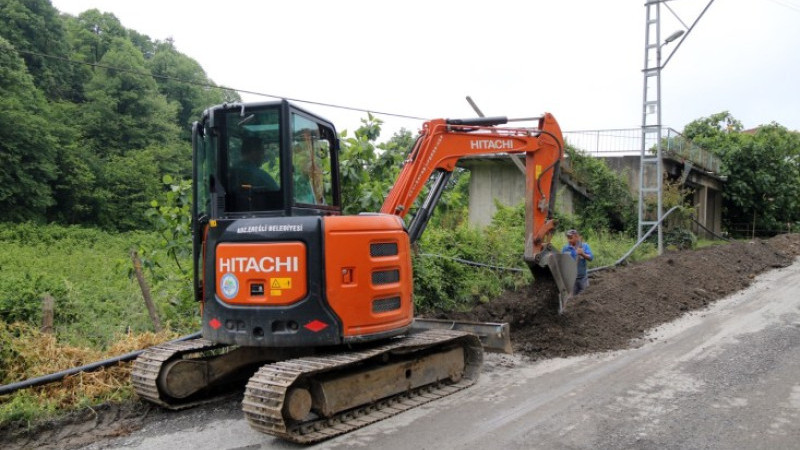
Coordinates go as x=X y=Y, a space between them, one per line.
x=580 y=60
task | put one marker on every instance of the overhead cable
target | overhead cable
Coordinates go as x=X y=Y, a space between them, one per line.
x=209 y=85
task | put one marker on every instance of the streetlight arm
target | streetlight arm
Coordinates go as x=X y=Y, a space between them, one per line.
x=685 y=35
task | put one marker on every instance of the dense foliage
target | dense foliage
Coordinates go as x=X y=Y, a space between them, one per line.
x=762 y=166
x=89 y=274
x=610 y=204
x=88 y=131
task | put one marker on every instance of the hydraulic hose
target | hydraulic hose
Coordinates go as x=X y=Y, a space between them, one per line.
x=644 y=238
x=58 y=376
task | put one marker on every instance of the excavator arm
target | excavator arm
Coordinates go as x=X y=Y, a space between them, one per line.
x=443 y=142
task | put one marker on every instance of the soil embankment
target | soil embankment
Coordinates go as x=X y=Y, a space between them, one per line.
x=621 y=303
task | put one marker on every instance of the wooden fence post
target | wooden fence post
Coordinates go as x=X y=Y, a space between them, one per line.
x=48 y=311
x=148 y=300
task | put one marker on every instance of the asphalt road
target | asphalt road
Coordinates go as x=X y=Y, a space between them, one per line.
x=724 y=378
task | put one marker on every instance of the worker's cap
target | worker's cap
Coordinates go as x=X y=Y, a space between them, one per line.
x=571 y=233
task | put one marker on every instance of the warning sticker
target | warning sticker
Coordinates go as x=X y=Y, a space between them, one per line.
x=280 y=283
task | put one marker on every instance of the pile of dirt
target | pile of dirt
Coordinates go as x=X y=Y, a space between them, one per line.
x=621 y=303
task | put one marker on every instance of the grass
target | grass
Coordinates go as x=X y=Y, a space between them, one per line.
x=88 y=272
x=99 y=313
x=28 y=353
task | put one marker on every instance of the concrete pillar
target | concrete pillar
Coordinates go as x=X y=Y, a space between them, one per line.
x=489 y=181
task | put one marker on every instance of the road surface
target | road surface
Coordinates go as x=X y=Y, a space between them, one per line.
x=724 y=378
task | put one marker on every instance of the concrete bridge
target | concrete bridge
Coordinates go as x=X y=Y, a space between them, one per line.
x=500 y=178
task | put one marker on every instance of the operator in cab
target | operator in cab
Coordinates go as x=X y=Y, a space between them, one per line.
x=250 y=171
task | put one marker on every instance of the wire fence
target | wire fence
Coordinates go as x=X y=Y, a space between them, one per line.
x=748 y=230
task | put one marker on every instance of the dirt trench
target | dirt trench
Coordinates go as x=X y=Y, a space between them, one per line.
x=618 y=307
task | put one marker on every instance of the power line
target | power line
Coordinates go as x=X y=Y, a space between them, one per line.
x=208 y=85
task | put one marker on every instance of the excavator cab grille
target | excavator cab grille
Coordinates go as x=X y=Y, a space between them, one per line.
x=386 y=276
x=385 y=304
x=383 y=249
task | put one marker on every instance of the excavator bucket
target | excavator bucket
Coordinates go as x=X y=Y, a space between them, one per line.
x=559 y=269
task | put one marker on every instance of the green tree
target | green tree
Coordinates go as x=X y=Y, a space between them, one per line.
x=762 y=191
x=171 y=216
x=182 y=80
x=27 y=148
x=763 y=187
x=34 y=26
x=717 y=133
x=90 y=35
x=124 y=110
x=126 y=187
x=93 y=33
x=356 y=160
x=611 y=206
x=130 y=128
x=75 y=188
x=143 y=43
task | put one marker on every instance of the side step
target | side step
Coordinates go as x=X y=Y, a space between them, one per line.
x=495 y=337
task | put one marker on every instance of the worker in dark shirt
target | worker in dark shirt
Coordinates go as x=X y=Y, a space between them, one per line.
x=249 y=169
x=581 y=252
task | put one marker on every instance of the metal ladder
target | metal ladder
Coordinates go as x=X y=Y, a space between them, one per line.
x=651 y=125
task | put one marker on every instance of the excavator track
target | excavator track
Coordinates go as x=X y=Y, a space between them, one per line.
x=147 y=367
x=269 y=392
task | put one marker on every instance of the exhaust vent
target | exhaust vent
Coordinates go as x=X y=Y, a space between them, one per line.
x=385 y=276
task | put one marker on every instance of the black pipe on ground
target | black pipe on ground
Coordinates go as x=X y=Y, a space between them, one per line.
x=58 y=376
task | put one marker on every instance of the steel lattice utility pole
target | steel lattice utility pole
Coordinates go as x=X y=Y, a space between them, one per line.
x=651 y=165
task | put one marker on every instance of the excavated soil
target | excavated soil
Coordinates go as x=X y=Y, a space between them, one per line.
x=621 y=303
x=619 y=306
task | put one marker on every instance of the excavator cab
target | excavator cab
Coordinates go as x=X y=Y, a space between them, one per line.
x=265 y=159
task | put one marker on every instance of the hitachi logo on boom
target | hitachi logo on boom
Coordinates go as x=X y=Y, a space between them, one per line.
x=266 y=264
x=492 y=144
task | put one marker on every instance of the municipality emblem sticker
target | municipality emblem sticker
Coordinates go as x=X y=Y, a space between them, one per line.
x=230 y=285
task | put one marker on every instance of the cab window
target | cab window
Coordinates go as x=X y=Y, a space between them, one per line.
x=253 y=161
x=311 y=163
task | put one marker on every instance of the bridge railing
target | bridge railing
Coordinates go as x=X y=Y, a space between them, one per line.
x=679 y=146
x=628 y=141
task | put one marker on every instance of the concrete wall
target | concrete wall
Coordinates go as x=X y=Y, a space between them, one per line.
x=628 y=166
x=501 y=180
x=492 y=180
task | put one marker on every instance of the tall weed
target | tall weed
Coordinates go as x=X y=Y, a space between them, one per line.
x=87 y=272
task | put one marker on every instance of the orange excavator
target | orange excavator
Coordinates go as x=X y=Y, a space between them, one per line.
x=313 y=308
